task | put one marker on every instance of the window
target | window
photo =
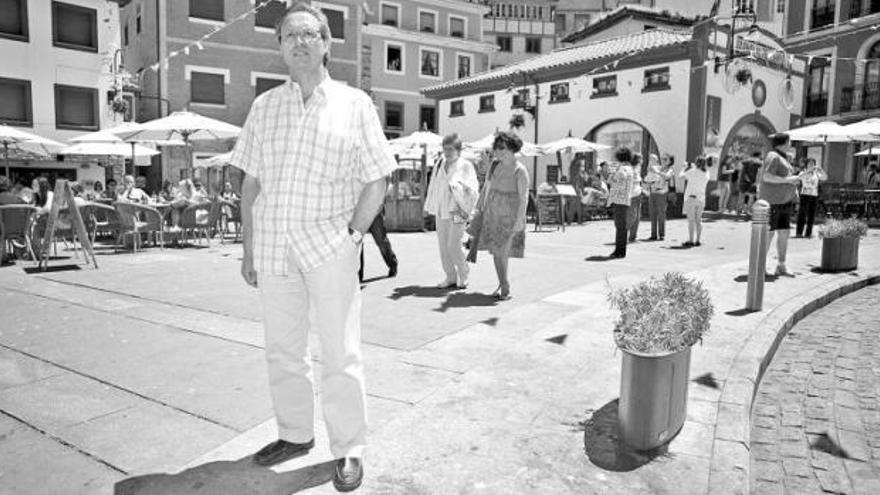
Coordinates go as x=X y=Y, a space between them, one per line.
x=456 y=108
x=521 y=98
x=76 y=108
x=427 y=118
x=871 y=82
x=125 y=35
x=464 y=66
x=656 y=79
x=780 y=6
x=430 y=63
x=559 y=92
x=604 y=86
x=581 y=20
x=427 y=21
x=14 y=21
x=503 y=43
x=817 y=87
x=390 y=15
x=393 y=115
x=263 y=84
x=137 y=20
x=553 y=174
x=268 y=13
x=211 y=10
x=74 y=27
x=393 y=58
x=15 y=102
x=336 y=19
x=822 y=14
x=533 y=45
x=456 y=27
x=560 y=24
x=206 y=87
x=487 y=103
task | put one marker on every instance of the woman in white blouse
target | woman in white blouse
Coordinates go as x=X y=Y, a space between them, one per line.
x=452 y=196
x=810 y=178
x=695 y=198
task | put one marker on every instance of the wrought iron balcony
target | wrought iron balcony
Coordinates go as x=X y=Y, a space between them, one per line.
x=860 y=97
x=817 y=105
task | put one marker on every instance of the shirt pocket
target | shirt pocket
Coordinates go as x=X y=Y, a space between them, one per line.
x=332 y=159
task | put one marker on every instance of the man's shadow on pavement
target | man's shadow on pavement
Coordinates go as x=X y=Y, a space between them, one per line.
x=606 y=450
x=241 y=477
x=418 y=291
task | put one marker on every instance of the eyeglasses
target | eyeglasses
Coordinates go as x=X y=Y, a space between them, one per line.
x=499 y=147
x=308 y=36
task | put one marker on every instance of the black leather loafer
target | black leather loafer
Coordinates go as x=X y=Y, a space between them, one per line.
x=280 y=451
x=348 y=475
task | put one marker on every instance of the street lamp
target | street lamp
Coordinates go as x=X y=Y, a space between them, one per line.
x=743 y=11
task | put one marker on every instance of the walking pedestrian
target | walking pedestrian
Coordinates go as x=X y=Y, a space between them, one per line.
x=316 y=162
x=451 y=198
x=502 y=205
x=380 y=237
x=810 y=178
x=657 y=181
x=779 y=188
x=695 y=198
x=725 y=175
x=635 y=202
x=620 y=180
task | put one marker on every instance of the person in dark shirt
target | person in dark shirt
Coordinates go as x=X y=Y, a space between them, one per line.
x=748 y=182
x=7 y=197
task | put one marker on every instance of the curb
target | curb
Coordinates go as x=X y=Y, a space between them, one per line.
x=731 y=446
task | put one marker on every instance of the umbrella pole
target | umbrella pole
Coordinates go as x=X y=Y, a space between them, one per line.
x=6 y=158
x=132 y=157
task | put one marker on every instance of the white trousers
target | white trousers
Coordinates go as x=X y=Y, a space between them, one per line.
x=452 y=256
x=326 y=300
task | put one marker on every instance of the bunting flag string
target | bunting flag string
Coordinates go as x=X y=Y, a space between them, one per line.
x=199 y=44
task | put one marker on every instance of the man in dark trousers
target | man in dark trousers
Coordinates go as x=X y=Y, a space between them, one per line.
x=380 y=237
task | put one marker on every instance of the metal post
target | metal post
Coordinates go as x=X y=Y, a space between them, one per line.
x=757 y=255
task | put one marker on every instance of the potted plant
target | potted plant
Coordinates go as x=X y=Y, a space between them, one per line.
x=660 y=319
x=840 y=243
x=517 y=121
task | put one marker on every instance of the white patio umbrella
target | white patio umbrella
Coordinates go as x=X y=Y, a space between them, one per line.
x=183 y=125
x=821 y=132
x=869 y=152
x=573 y=143
x=485 y=143
x=216 y=160
x=117 y=148
x=26 y=143
x=866 y=130
x=418 y=138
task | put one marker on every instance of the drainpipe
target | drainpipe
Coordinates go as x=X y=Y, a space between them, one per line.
x=535 y=159
x=159 y=58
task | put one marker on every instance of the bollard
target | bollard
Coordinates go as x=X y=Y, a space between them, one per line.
x=758 y=255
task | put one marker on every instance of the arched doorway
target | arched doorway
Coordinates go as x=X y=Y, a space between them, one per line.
x=748 y=135
x=623 y=132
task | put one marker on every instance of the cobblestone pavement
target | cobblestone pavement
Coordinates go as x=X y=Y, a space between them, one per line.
x=816 y=419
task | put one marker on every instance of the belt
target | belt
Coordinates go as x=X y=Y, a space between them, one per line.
x=692 y=196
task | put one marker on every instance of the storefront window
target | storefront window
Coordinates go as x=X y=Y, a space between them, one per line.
x=622 y=133
x=749 y=139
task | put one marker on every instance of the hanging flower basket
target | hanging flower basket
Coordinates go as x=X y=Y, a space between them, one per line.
x=119 y=105
x=743 y=76
x=517 y=121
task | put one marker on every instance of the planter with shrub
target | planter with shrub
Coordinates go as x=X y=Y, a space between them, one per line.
x=840 y=243
x=660 y=319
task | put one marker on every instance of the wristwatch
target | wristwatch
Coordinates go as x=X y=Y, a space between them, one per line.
x=356 y=235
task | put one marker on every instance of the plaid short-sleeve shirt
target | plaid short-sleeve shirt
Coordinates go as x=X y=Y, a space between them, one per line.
x=312 y=161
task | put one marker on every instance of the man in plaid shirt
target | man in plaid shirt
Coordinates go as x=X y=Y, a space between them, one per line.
x=315 y=160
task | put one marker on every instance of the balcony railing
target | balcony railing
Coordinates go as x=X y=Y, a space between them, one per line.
x=860 y=97
x=817 y=105
x=822 y=16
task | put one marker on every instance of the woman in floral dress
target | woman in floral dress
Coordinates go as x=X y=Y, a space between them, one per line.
x=503 y=206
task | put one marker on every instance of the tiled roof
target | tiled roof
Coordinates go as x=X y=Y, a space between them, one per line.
x=613 y=47
x=612 y=17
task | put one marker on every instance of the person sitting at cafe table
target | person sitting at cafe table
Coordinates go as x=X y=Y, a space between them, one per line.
x=97 y=191
x=169 y=192
x=7 y=197
x=110 y=193
x=131 y=193
x=187 y=195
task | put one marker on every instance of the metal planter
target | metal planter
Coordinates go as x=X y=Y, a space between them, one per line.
x=653 y=397
x=840 y=254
